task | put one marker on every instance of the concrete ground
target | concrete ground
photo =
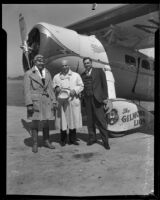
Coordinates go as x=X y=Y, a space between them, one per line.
x=125 y=169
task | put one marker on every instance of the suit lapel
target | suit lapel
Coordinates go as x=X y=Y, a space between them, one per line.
x=93 y=73
x=46 y=78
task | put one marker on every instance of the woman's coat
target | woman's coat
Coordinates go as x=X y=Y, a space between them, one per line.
x=41 y=96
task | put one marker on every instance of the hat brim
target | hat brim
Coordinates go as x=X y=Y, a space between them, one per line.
x=64 y=95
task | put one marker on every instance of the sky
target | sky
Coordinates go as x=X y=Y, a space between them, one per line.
x=57 y=14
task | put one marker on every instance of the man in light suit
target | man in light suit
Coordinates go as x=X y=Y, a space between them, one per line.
x=69 y=110
x=95 y=96
x=39 y=99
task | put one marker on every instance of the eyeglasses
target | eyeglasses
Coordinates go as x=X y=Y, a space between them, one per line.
x=64 y=65
x=86 y=63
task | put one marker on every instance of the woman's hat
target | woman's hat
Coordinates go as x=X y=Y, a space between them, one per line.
x=39 y=57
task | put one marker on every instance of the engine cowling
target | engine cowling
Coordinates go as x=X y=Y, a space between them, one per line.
x=56 y=43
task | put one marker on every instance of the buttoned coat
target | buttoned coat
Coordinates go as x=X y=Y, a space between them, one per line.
x=40 y=96
x=69 y=111
x=100 y=89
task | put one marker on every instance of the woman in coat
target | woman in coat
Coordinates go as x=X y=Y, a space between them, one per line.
x=39 y=99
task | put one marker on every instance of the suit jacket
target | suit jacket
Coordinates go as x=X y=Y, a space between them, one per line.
x=100 y=90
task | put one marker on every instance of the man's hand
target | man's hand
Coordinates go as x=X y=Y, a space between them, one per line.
x=107 y=105
x=105 y=101
x=72 y=93
x=55 y=105
x=57 y=90
x=30 y=110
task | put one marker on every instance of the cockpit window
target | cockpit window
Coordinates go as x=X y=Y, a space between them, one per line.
x=145 y=64
x=130 y=60
x=34 y=41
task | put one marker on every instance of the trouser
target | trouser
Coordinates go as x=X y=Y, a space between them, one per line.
x=45 y=128
x=63 y=136
x=35 y=124
x=72 y=135
x=96 y=115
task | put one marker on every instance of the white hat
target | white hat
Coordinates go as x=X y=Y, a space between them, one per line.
x=64 y=95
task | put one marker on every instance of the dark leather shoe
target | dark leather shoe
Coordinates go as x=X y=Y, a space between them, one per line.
x=63 y=143
x=48 y=145
x=74 y=142
x=106 y=146
x=90 y=142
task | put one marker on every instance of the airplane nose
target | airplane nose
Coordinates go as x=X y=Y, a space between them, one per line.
x=56 y=40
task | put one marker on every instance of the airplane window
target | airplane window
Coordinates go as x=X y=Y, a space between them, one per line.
x=130 y=60
x=145 y=64
x=34 y=43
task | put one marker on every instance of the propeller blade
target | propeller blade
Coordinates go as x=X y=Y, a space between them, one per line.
x=23 y=33
x=23 y=28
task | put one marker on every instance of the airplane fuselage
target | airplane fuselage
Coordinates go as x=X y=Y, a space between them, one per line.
x=133 y=72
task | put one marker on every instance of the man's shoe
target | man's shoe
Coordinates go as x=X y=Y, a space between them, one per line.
x=90 y=142
x=106 y=146
x=63 y=143
x=105 y=141
x=48 y=144
x=72 y=137
x=74 y=142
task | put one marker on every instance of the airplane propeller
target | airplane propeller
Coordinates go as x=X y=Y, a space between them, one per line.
x=23 y=33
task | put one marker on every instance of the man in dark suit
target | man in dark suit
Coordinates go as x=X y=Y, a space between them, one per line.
x=95 y=95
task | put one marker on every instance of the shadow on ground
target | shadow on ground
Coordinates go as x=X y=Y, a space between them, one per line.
x=55 y=138
x=27 y=125
x=80 y=136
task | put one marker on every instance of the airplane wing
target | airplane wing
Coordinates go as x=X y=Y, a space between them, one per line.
x=131 y=25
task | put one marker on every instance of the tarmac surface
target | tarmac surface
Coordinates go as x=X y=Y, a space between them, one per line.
x=126 y=169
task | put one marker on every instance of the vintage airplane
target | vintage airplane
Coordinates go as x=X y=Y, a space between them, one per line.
x=113 y=40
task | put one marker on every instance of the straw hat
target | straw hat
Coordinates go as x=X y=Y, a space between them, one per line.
x=64 y=95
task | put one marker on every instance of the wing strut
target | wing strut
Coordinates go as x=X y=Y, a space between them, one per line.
x=133 y=89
